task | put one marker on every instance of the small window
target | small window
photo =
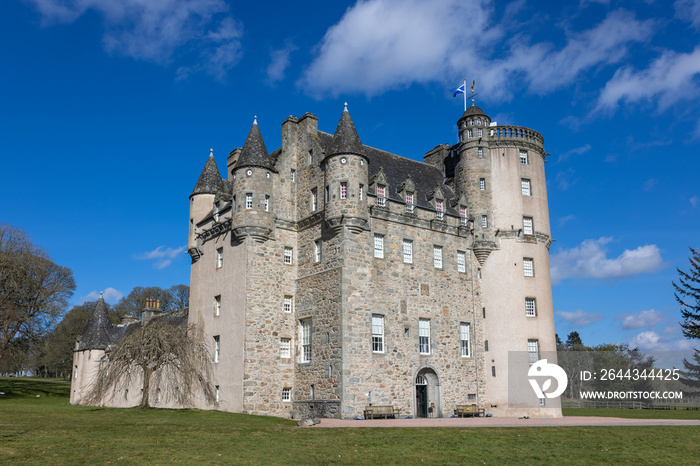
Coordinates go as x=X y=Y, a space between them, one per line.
x=377 y=333
x=328 y=194
x=480 y=152
x=305 y=340
x=361 y=192
x=533 y=351
x=437 y=257
x=286 y=394
x=285 y=348
x=461 y=261
x=530 y=307
x=318 y=250
x=463 y=216
x=482 y=184
x=314 y=200
x=484 y=221
x=310 y=157
x=217 y=393
x=439 y=210
x=288 y=255
x=381 y=195
x=523 y=157
x=219 y=258
x=217 y=348
x=234 y=206
x=542 y=402
x=409 y=203
x=267 y=203
x=248 y=200
x=525 y=187
x=379 y=246
x=464 y=340
x=343 y=190
x=479 y=132
x=527 y=226
x=408 y=251
x=424 y=336
x=528 y=267
x=217 y=305
x=217 y=206
x=486 y=345
x=470 y=133
x=287 y=303
x=293 y=176
x=493 y=371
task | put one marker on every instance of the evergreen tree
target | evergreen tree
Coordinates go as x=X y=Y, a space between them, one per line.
x=688 y=296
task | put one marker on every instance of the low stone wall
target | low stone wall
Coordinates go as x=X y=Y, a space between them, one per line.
x=316 y=409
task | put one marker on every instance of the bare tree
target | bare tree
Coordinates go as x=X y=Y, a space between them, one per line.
x=162 y=354
x=179 y=296
x=34 y=291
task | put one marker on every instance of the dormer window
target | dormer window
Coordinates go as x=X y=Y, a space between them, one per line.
x=409 y=203
x=439 y=210
x=463 y=216
x=381 y=195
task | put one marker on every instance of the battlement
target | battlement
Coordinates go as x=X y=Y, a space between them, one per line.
x=516 y=134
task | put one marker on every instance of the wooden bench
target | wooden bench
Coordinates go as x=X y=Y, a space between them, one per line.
x=469 y=411
x=372 y=412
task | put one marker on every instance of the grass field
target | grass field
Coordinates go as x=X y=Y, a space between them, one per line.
x=46 y=429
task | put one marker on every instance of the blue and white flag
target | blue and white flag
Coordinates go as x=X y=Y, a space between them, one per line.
x=459 y=90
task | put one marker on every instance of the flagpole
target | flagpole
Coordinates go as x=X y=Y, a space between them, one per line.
x=465 y=94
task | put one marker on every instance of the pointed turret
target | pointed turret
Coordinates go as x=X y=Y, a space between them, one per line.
x=98 y=332
x=209 y=181
x=345 y=140
x=254 y=153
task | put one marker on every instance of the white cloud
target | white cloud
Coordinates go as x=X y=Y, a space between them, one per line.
x=649 y=184
x=576 y=151
x=648 y=341
x=670 y=78
x=589 y=260
x=580 y=318
x=565 y=219
x=565 y=179
x=162 y=256
x=688 y=10
x=110 y=295
x=379 y=45
x=154 y=30
x=694 y=201
x=641 y=319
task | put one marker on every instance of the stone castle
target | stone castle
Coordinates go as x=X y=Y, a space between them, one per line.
x=328 y=275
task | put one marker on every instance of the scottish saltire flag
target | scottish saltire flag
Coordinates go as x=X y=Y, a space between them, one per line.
x=459 y=90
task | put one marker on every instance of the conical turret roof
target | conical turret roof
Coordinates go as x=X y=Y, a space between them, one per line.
x=473 y=110
x=210 y=179
x=254 y=152
x=98 y=332
x=345 y=140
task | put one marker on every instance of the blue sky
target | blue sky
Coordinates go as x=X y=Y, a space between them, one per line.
x=108 y=109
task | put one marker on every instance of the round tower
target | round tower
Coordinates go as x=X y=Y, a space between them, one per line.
x=346 y=179
x=252 y=189
x=202 y=197
x=501 y=171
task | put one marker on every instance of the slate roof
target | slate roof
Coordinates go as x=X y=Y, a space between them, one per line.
x=209 y=181
x=254 y=152
x=473 y=110
x=345 y=140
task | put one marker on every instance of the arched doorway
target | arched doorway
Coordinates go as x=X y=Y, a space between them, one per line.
x=427 y=393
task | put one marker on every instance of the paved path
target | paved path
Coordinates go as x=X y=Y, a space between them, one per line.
x=507 y=422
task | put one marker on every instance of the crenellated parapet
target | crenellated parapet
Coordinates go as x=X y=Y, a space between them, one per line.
x=516 y=135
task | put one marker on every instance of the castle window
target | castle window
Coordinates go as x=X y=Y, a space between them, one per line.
x=484 y=221
x=528 y=267
x=486 y=345
x=288 y=255
x=377 y=333
x=267 y=203
x=328 y=194
x=314 y=200
x=525 y=187
x=437 y=257
x=286 y=394
x=219 y=258
x=216 y=211
x=462 y=215
x=318 y=250
x=361 y=192
x=480 y=152
x=424 y=336
x=461 y=261
x=479 y=132
x=217 y=305
x=493 y=371
x=248 y=200
x=470 y=133
x=75 y=372
x=408 y=251
x=409 y=203
x=439 y=210
x=523 y=157
x=218 y=397
x=464 y=340
x=285 y=348
x=379 y=246
x=482 y=184
x=293 y=176
x=217 y=348
x=533 y=351
x=310 y=157
x=305 y=340
x=343 y=190
x=527 y=226
x=381 y=195
x=233 y=201
x=287 y=303
x=530 y=307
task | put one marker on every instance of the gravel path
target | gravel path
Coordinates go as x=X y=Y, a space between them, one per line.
x=507 y=422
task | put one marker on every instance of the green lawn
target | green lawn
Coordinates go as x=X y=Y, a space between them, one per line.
x=46 y=429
